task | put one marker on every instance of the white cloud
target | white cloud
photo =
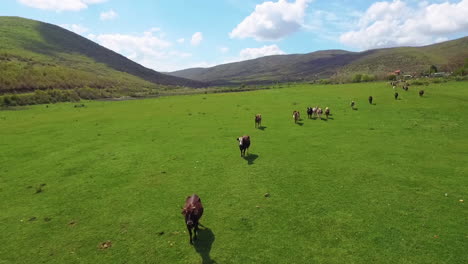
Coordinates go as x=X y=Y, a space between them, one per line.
x=60 y=5
x=223 y=49
x=389 y=24
x=272 y=20
x=78 y=29
x=181 y=40
x=252 y=53
x=148 y=49
x=109 y=15
x=196 y=39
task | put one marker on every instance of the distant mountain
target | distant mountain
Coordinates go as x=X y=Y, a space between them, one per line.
x=36 y=55
x=333 y=63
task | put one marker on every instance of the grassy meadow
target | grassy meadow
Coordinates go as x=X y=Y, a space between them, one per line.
x=380 y=184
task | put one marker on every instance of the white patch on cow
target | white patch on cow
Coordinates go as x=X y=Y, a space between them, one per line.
x=240 y=141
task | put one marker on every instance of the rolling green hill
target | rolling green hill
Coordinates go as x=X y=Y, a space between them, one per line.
x=36 y=55
x=447 y=56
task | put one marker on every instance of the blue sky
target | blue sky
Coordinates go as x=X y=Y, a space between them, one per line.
x=169 y=35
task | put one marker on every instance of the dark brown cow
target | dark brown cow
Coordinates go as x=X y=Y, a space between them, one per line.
x=370 y=99
x=327 y=112
x=396 y=96
x=193 y=211
x=244 y=144
x=309 y=112
x=258 y=120
x=421 y=92
x=296 y=116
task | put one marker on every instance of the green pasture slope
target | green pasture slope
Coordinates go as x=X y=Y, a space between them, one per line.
x=381 y=184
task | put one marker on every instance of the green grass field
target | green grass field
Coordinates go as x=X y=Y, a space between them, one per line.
x=381 y=184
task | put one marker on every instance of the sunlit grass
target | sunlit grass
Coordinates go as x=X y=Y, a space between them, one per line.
x=381 y=184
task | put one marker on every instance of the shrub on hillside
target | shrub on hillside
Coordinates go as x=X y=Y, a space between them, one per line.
x=88 y=93
x=357 y=78
x=367 y=78
x=461 y=78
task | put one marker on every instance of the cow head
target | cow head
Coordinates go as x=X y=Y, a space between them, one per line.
x=188 y=212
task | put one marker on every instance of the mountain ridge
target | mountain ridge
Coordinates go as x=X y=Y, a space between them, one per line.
x=334 y=63
x=30 y=49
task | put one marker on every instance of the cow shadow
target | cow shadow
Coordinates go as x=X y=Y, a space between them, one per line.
x=250 y=158
x=203 y=244
x=355 y=108
x=299 y=123
x=262 y=128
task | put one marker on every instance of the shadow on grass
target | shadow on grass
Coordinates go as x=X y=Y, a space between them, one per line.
x=355 y=108
x=203 y=244
x=300 y=123
x=262 y=128
x=250 y=158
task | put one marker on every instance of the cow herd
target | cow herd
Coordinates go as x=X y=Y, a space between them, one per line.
x=316 y=112
x=193 y=208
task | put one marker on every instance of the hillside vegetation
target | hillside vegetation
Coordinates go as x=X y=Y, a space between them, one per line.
x=338 y=64
x=36 y=55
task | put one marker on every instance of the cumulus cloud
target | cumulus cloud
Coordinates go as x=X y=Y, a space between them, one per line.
x=252 y=53
x=181 y=40
x=272 y=20
x=108 y=15
x=389 y=24
x=196 y=39
x=148 y=49
x=78 y=29
x=60 y=5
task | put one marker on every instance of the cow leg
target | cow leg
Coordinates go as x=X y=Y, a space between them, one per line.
x=190 y=234
x=195 y=232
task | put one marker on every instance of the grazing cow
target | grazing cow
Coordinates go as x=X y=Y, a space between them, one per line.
x=314 y=111
x=327 y=112
x=353 y=104
x=405 y=88
x=319 y=112
x=258 y=120
x=193 y=211
x=370 y=99
x=310 y=112
x=421 y=92
x=244 y=144
x=396 y=96
x=296 y=116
